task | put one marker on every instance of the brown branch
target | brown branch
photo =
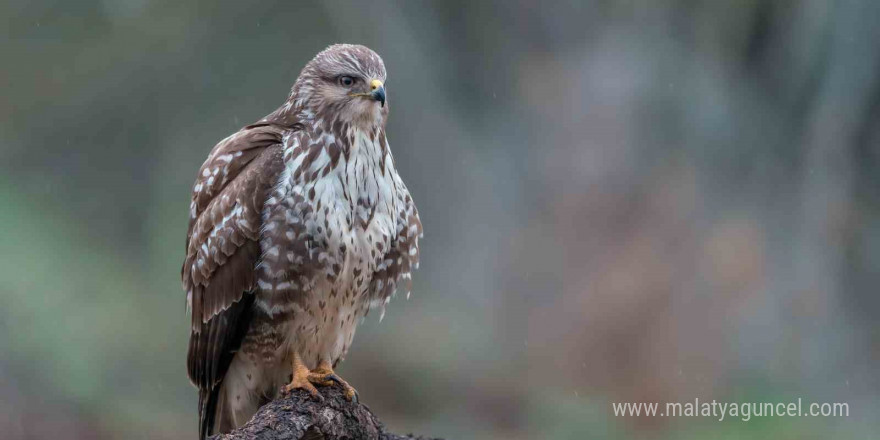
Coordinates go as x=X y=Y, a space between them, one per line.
x=298 y=416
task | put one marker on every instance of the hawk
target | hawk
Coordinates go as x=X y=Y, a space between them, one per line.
x=299 y=225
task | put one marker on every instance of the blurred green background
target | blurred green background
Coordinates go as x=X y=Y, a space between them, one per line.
x=623 y=201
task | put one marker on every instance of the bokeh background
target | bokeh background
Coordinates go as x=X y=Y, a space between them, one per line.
x=623 y=201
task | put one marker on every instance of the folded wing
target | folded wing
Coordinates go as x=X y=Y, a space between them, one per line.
x=222 y=249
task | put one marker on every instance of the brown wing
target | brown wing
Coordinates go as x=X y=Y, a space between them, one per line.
x=222 y=249
x=225 y=215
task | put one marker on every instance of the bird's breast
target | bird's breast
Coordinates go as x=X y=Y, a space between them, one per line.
x=332 y=215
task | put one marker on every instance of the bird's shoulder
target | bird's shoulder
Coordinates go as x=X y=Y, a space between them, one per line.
x=228 y=159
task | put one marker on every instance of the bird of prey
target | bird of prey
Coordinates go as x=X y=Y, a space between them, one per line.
x=299 y=225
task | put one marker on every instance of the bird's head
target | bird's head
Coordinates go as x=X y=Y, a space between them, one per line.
x=344 y=82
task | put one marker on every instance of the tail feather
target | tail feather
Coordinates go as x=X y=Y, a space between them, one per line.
x=207 y=410
x=210 y=353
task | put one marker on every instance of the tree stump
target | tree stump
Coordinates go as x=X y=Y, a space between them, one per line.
x=299 y=416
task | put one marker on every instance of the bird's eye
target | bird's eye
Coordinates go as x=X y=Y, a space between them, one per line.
x=346 y=81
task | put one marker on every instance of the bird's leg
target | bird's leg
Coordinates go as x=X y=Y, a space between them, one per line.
x=301 y=378
x=324 y=375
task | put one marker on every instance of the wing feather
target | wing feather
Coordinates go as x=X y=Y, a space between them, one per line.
x=222 y=250
x=226 y=213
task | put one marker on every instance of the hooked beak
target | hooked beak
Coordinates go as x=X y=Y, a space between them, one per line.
x=377 y=91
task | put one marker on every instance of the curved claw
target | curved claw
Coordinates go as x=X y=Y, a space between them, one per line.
x=333 y=378
x=330 y=378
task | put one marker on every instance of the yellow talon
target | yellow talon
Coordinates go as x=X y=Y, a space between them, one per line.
x=322 y=376
x=301 y=379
